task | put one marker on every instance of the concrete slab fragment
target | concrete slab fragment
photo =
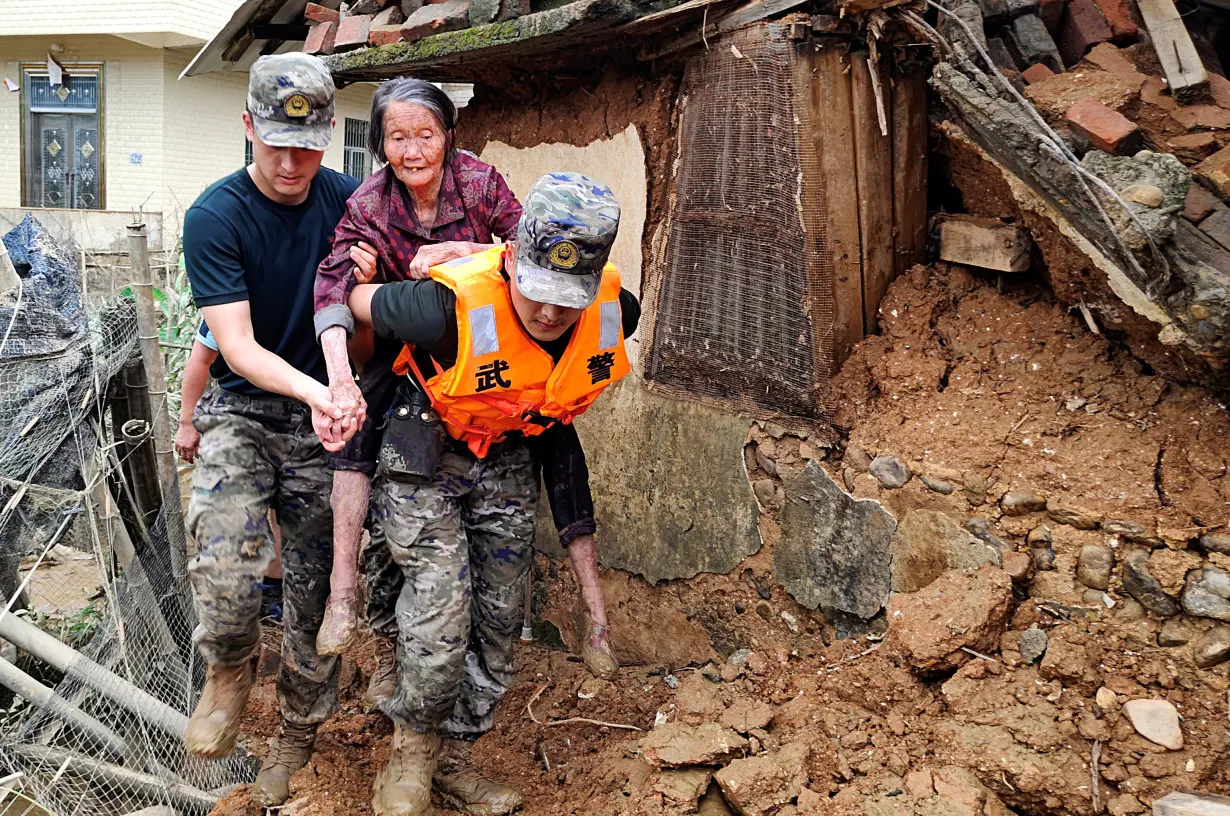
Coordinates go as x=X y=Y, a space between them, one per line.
x=669 y=483
x=834 y=551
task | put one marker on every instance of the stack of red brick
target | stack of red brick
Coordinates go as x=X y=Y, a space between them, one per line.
x=360 y=23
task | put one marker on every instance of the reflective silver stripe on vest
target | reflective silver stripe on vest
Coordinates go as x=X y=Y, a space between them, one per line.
x=608 y=328
x=486 y=340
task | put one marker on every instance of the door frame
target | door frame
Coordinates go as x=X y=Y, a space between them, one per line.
x=26 y=69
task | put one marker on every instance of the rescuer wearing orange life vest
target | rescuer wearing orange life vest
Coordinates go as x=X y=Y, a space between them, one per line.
x=505 y=348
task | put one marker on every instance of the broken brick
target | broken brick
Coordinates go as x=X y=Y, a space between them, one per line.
x=1051 y=13
x=1154 y=92
x=1219 y=87
x=321 y=14
x=1106 y=129
x=321 y=38
x=451 y=15
x=1036 y=73
x=385 y=35
x=1033 y=42
x=1214 y=172
x=1202 y=116
x=1083 y=26
x=1019 y=8
x=1199 y=204
x=1193 y=147
x=390 y=16
x=1217 y=227
x=1118 y=14
x=1109 y=58
x=352 y=33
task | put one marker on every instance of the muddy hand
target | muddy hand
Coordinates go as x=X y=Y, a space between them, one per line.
x=341 y=624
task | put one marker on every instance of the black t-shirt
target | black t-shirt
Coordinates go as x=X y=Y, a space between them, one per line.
x=424 y=314
x=240 y=245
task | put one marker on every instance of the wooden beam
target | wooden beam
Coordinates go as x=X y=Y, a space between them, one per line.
x=873 y=152
x=909 y=169
x=1191 y=804
x=279 y=31
x=1185 y=72
x=985 y=243
x=813 y=208
x=833 y=104
x=752 y=12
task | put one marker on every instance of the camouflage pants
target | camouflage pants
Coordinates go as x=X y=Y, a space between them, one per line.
x=256 y=454
x=464 y=544
x=382 y=580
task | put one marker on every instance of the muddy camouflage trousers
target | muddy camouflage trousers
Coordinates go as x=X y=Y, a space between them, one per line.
x=256 y=454
x=464 y=545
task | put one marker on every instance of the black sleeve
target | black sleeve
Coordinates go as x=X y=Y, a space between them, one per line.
x=418 y=312
x=564 y=473
x=630 y=308
x=213 y=259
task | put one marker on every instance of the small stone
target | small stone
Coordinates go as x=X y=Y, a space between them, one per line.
x=857 y=459
x=1124 y=805
x=766 y=464
x=1156 y=721
x=938 y=485
x=764 y=610
x=1174 y=632
x=740 y=608
x=1019 y=566
x=1093 y=596
x=1215 y=542
x=1039 y=536
x=1212 y=648
x=766 y=493
x=1130 y=610
x=1106 y=699
x=1043 y=558
x=711 y=673
x=1032 y=644
x=981 y=530
x=1094 y=568
x=1144 y=587
x=1206 y=594
x=1072 y=516
x=975 y=487
x=1146 y=195
x=891 y=471
x=792 y=623
x=775 y=430
x=731 y=673
x=1021 y=502
x=739 y=657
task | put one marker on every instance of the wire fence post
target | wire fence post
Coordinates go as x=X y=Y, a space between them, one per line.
x=156 y=376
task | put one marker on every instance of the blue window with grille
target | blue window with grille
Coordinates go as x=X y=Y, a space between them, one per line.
x=62 y=150
x=356 y=161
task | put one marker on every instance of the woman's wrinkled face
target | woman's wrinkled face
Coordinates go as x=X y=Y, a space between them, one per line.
x=415 y=145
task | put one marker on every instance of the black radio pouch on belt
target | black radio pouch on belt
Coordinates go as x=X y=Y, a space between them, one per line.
x=413 y=437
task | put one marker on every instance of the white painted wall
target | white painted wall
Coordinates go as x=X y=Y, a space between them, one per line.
x=188 y=133
x=190 y=19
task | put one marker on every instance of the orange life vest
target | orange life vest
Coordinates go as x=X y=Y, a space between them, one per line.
x=503 y=381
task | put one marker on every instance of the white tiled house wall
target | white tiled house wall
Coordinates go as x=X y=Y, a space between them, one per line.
x=194 y=18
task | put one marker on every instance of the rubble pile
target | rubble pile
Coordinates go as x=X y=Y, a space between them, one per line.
x=360 y=23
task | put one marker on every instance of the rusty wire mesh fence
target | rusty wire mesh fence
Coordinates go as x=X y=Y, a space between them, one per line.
x=97 y=670
x=744 y=307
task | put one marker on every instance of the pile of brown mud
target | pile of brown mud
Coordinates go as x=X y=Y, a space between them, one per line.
x=1074 y=668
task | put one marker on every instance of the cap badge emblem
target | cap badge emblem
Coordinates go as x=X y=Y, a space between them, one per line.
x=564 y=255
x=296 y=105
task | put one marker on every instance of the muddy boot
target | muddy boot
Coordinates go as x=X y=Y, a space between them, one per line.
x=290 y=751
x=383 y=682
x=215 y=722
x=595 y=648
x=467 y=790
x=403 y=788
x=340 y=625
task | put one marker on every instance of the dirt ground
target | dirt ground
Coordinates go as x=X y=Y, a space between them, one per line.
x=983 y=391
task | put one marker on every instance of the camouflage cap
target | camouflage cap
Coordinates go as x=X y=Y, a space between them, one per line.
x=290 y=98
x=568 y=224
